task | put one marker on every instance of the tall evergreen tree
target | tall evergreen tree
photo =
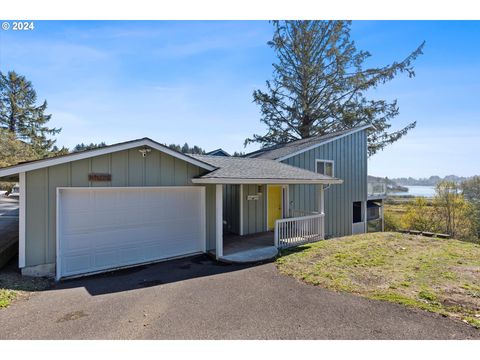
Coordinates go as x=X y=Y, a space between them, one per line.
x=186 y=149
x=13 y=151
x=20 y=115
x=319 y=86
x=83 y=147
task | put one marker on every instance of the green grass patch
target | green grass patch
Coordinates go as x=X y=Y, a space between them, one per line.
x=6 y=296
x=437 y=275
x=13 y=286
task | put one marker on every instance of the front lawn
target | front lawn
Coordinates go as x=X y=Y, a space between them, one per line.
x=437 y=275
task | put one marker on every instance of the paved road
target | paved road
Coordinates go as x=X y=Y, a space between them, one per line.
x=196 y=298
x=8 y=207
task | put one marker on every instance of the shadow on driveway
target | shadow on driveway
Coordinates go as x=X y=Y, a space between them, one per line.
x=150 y=275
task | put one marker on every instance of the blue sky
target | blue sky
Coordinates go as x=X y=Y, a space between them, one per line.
x=192 y=82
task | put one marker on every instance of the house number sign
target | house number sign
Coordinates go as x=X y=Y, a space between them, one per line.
x=99 y=177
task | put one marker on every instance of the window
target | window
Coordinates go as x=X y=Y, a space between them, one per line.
x=324 y=167
x=373 y=210
x=357 y=212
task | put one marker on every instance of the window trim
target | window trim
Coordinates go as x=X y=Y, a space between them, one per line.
x=325 y=161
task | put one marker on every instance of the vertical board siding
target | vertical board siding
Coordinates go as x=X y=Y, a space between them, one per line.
x=231 y=208
x=180 y=174
x=350 y=163
x=211 y=213
x=36 y=217
x=136 y=167
x=167 y=164
x=78 y=169
x=101 y=165
x=128 y=168
x=119 y=161
x=152 y=169
x=57 y=176
x=254 y=211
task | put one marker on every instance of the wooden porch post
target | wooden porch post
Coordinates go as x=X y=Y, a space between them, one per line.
x=322 y=200
x=322 y=212
x=241 y=209
x=219 y=220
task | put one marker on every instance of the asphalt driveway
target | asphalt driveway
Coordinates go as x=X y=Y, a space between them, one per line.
x=197 y=298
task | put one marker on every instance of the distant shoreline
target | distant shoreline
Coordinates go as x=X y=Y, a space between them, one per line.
x=414 y=191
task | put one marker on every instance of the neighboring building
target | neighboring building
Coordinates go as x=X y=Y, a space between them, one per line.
x=140 y=202
x=218 y=152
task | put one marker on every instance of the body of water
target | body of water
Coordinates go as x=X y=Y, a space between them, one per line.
x=422 y=191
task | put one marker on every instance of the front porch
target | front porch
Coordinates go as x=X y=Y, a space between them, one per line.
x=254 y=221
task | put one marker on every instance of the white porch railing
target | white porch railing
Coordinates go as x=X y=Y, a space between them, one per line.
x=299 y=230
x=293 y=213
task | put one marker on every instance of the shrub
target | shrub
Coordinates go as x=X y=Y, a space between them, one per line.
x=453 y=214
x=392 y=223
x=419 y=216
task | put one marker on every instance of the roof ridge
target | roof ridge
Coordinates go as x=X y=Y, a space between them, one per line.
x=79 y=155
x=306 y=140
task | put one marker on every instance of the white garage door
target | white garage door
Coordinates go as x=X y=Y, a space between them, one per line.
x=105 y=228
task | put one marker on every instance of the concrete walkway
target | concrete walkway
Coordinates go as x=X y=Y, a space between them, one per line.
x=248 y=248
x=197 y=298
x=251 y=255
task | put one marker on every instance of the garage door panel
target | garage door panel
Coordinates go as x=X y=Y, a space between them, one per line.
x=77 y=202
x=75 y=222
x=77 y=242
x=103 y=259
x=76 y=263
x=109 y=228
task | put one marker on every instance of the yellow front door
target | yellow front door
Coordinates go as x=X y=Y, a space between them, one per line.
x=274 y=205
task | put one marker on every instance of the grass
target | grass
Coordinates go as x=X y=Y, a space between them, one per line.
x=396 y=210
x=14 y=286
x=437 y=275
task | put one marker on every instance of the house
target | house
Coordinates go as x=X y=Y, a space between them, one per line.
x=139 y=201
x=354 y=207
x=218 y=152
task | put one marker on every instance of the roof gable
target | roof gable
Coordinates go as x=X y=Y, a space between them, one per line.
x=42 y=163
x=218 y=152
x=285 y=151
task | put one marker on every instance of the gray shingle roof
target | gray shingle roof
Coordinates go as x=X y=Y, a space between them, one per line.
x=279 y=151
x=244 y=169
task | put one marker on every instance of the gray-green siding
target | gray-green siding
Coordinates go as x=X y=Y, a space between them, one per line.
x=231 y=209
x=128 y=168
x=211 y=216
x=350 y=156
x=254 y=211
